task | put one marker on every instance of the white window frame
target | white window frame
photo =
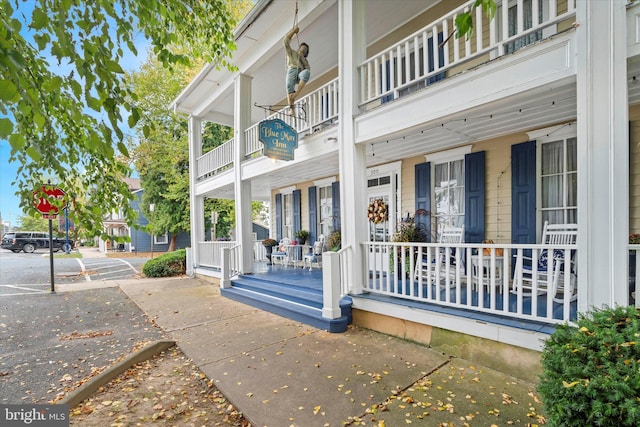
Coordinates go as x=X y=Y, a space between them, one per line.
x=549 y=135
x=161 y=240
x=448 y=156
x=325 y=222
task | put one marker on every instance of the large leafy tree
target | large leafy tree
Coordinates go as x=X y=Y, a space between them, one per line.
x=33 y=223
x=63 y=104
x=160 y=149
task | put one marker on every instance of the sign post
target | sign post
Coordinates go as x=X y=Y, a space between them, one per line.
x=214 y=222
x=42 y=202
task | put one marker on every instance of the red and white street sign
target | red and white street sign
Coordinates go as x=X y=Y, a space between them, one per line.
x=41 y=200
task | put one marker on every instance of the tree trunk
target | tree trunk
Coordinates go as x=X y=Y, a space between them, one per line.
x=172 y=243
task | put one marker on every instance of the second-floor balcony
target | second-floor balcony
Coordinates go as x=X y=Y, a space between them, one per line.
x=401 y=67
x=415 y=64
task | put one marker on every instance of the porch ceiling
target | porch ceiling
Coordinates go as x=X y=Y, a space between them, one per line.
x=286 y=174
x=260 y=54
x=524 y=112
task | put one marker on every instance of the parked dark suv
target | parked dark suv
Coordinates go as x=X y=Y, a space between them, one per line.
x=29 y=241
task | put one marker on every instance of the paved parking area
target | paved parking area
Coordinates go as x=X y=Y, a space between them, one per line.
x=52 y=341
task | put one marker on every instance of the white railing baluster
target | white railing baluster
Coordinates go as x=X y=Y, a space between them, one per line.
x=477 y=25
x=485 y=284
x=397 y=74
x=445 y=49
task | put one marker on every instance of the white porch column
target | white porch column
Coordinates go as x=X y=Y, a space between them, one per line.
x=353 y=168
x=196 y=203
x=603 y=154
x=242 y=120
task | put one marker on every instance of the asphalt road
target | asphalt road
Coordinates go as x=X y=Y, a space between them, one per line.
x=22 y=273
x=51 y=341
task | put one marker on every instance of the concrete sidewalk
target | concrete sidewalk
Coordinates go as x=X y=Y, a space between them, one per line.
x=282 y=373
x=91 y=252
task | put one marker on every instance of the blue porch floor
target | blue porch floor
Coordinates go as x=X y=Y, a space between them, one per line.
x=292 y=292
x=296 y=293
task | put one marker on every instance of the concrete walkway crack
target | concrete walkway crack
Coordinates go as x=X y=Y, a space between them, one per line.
x=397 y=392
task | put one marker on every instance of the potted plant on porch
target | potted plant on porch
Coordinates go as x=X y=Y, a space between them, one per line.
x=268 y=244
x=408 y=232
x=301 y=236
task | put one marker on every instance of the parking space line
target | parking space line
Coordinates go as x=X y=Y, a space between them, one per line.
x=17 y=287
x=129 y=264
x=83 y=270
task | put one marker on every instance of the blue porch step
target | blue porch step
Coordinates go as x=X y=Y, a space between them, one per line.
x=299 y=302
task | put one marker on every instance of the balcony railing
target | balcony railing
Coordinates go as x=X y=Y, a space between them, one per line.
x=493 y=279
x=215 y=161
x=311 y=113
x=210 y=253
x=423 y=57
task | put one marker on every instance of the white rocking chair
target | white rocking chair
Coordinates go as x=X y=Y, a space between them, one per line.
x=444 y=263
x=549 y=272
x=315 y=255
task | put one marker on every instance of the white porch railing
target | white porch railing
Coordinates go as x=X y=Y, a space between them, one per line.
x=335 y=281
x=210 y=253
x=215 y=161
x=411 y=62
x=312 y=112
x=634 y=275
x=472 y=280
x=230 y=265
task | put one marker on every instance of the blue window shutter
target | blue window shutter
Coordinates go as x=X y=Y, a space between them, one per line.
x=335 y=196
x=474 y=197
x=523 y=192
x=297 y=207
x=313 y=215
x=423 y=197
x=278 y=217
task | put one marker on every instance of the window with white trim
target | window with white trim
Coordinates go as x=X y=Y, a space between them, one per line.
x=448 y=193
x=287 y=216
x=558 y=179
x=161 y=240
x=325 y=212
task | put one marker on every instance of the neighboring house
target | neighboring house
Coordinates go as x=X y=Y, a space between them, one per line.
x=140 y=241
x=535 y=118
x=115 y=224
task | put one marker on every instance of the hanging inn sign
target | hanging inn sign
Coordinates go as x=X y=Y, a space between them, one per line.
x=279 y=139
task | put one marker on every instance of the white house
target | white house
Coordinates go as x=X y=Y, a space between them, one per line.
x=535 y=118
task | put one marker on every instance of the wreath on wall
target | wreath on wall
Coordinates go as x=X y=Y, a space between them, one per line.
x=377 y=211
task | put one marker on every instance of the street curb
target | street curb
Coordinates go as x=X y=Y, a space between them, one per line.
x=87 y=389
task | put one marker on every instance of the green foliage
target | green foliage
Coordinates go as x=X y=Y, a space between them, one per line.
x=34 y=223
x=169 y=264
x=269 y=242
x=162 y=154
x=409 y=232
x=464 y=21
x=334 y=241
x=63 y=101
x=592 y=371
x=301 y=234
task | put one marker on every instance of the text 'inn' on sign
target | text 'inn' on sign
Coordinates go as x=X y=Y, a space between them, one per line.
x=279 y=139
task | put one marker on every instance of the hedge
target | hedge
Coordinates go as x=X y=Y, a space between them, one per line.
x=591 y=372
x=170 y=264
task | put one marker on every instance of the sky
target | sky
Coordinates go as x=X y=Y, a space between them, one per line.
x=10 y=209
